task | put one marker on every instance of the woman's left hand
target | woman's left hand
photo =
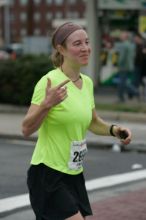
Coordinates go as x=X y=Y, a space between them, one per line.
x=124 y=134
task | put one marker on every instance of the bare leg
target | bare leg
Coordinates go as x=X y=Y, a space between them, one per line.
x=77 y=216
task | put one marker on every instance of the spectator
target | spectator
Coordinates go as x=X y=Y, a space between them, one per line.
x=143 y=73
x=138 y=62
x=125 y=67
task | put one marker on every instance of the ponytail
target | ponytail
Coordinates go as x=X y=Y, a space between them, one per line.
x=57 y=59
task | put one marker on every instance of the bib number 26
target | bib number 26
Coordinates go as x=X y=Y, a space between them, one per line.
x=77 y=154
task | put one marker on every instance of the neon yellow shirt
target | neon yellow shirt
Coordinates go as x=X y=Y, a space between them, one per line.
x=65 y=123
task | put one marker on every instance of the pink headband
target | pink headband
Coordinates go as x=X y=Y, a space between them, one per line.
x=63 y=31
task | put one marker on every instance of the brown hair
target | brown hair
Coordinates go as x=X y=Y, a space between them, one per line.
x=57 y=58
x=59 y=38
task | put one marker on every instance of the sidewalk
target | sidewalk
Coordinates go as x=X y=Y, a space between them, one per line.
x=129 y=206
x=11 y=118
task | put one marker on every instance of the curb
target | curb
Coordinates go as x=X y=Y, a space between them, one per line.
x=108 y=115
x=111 y=115
x=134 y=147
x=123 y=116
x=7 y=108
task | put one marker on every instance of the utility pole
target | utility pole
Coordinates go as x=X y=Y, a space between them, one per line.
x=5 y=5
x=30 y=14
x=94 y=36
x=7 y=23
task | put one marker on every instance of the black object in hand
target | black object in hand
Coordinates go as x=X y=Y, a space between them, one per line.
x=123 y=134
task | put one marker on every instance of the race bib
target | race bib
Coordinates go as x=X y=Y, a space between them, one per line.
x=77 y=154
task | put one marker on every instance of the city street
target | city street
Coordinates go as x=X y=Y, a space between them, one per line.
x=99 y=164
x=104 y=40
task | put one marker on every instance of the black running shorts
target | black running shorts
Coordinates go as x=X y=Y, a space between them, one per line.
x=55 y=195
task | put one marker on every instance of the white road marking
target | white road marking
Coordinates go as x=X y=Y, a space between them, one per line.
x=109 y=181
x=20 y=201
x=15 y=202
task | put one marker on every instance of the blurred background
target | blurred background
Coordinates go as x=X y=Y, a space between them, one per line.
x=26 y=27
x=25 y=34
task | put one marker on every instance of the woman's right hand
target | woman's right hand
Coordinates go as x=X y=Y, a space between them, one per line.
x=37 y=113
x=54 y=95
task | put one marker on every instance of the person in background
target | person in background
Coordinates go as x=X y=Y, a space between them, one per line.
x=138 y=62
x=126 y=53
x=62 y=110
x=143 y=72
x=108 y=61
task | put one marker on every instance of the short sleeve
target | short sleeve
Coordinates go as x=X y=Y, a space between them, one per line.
x=39 y=91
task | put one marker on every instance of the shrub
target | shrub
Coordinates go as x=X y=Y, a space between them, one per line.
x=19 y=77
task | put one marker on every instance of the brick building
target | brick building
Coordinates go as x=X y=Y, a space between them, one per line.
x=20 y=18
x=36 y=17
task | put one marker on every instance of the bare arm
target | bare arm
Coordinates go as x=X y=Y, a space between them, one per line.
x=100 y=127
x=33 y=119
x=37 y=113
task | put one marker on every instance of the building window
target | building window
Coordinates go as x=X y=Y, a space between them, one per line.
x=49 y=16
x=14 y=32
x=37 y=31
x=72 y=2
x=23 y=2
x=58 y=14
x=37 y=16
x=11 y=2
x=58 y=2
x=37 y=2
x=49 y=2
x=23 y=16
x=74 y=14
x=12 y=17
x=23 y=32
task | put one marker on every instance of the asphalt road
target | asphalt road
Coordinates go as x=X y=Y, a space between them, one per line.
x=15 y=157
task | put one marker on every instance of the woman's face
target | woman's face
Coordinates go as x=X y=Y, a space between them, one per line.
x=77 y=49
